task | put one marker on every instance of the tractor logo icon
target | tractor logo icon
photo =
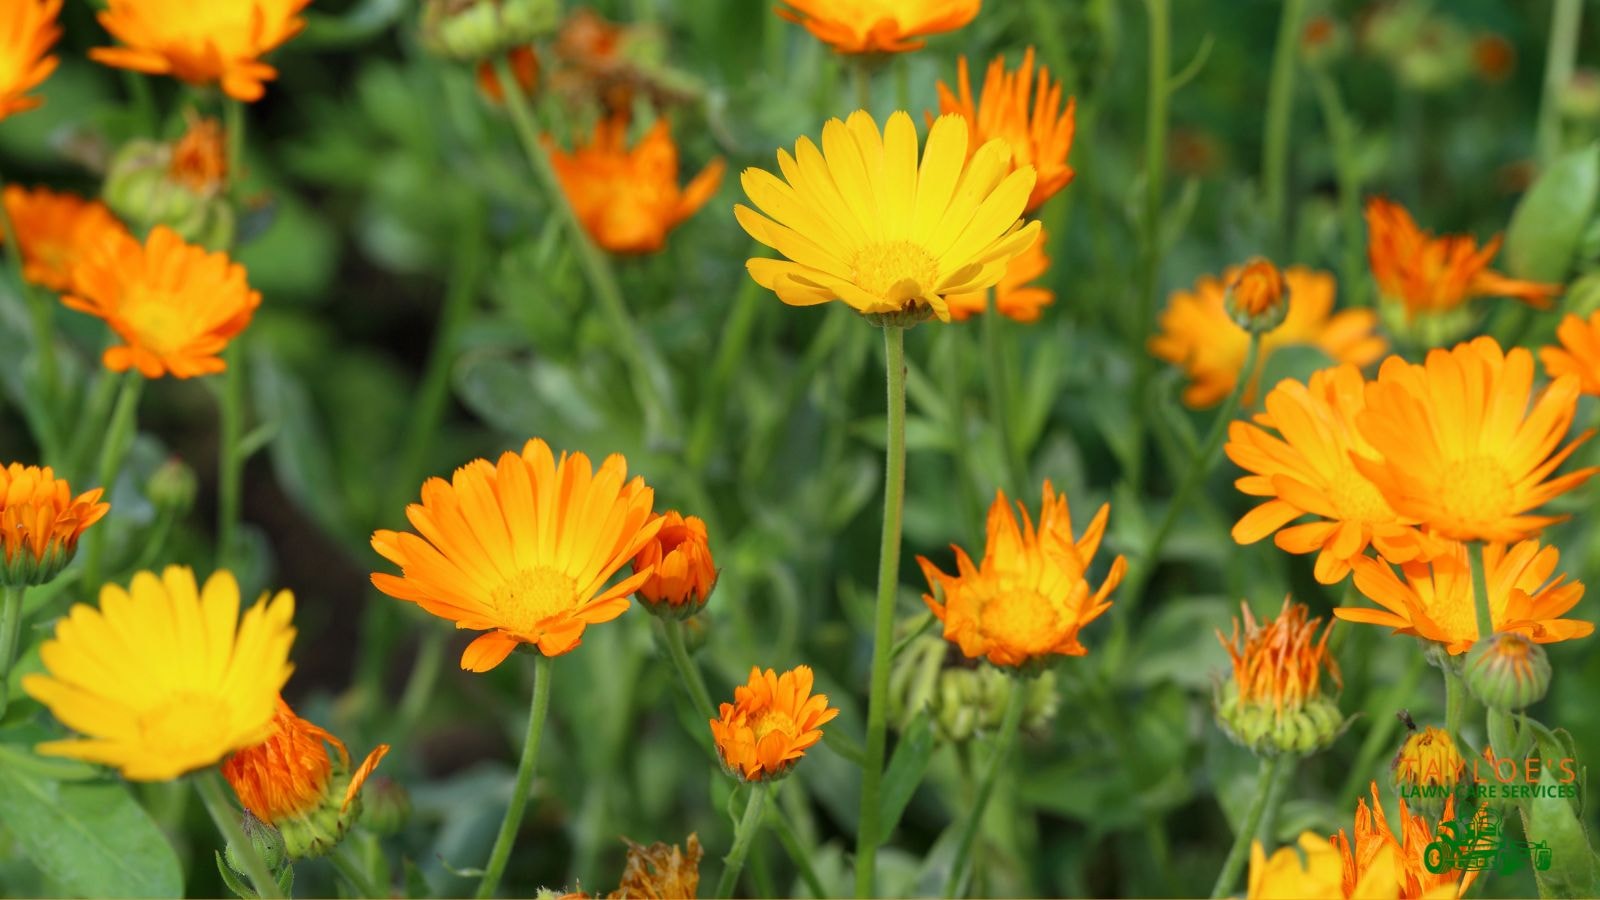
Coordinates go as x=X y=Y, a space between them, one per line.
x=1479 y=844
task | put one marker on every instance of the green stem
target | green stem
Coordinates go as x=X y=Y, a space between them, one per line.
x=1480 y=591
x=353 y=873
x=537 y=713
x=798 y=854
x=861 y=77
x=894 y=490
x=230 y=463
x=730 y=353
x=648 y=371
x=749 y=824
x=1280 y=110
x=1269 y=817
x=1377 y=741
x=419 y=684
x=96 y=419
x=1157 y=95
x=994 y=357
x=118 y=438
x=10 y=637
x=233 y=122
x=954 y=388
x=693 y=684
x=1455 y=703
x=1562 y=55
x=1010 y=723
x=215 y=796
x=902 y=81
x=1347 y=169
x=1247 y=832
x=41 y=312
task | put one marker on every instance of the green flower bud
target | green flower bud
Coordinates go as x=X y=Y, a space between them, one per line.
x=268 y=842
x=386 y=805
x=1507 y=671
x=472 y=30
x=173 y=486
x=1545 y=239
x=178 y=184
x=1274 y=703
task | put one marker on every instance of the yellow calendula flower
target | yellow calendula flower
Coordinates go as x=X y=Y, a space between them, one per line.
x=216 y=42
x=861 y=221
x=164 y=677
x=878 y=26
x=1466 y=446
x=1287 y=876
x=1577 y=352
x=1036 y=125
x=1016 y=297
x=27 y=30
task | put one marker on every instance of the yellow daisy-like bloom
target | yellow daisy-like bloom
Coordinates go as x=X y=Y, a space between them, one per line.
x=1428 y=274
x=1015 y=297
x=164 y=677
x=216 y=42
x=1578 y=353
x=1030 y=597
x=174 y=305
x=860 y=221
x=28 y=28
x=1306 y=468
x=1285 y=876
x=770 y=724
x=1428 y=758
x=1379 y=863
x=1435 y=600
x=1197 y=333
x=56 y=231
x=1458 y=448
x=878 y=26
x=1036 y=126
x=522 y=549
x=40 y=522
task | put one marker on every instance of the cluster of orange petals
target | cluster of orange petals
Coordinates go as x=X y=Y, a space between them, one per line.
x=287 y=774
x=628 y=200
x=1279 y=662
x=1015 y=297
x=770 y=724
x=1030 y=596
x=1197 y=333
x=878 y=26
x=40 y=516
x=521 y=549
x=1033 y=123
x=174 y=305
x=660 y=871
x=200 y=156
x=1257 y=290
x=678 y=561
x=28 y=28
x=217 y=42
x=1428 y=274
x=1577 y=353
x=56 y=231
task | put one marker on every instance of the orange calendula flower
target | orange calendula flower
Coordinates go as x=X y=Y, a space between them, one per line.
x=1434 y=601
x=1275 y=702
x=1036 y=125
x=863 y=222
x=218 y=42
x=522 y=549
x=1458 y=447
x=524 y=67
x=1305 y=468
x=770 y=724
x=56 y=231
x=1030 y=597
x=290 y=782
x=1578 y=353
x=28 y=28
x=1380 y=863
x=174 y=305
x=878 y=26
x=41 y=522
x=1015 y=297
x=1428 y=274
x=628 y=200
x=1198 y=334
x=660 y=871
x=682 y=572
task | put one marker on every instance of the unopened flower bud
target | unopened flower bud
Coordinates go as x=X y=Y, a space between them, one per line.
x=472 y=30
x=173 y=486
x=179 y=185
x=267 y=841
x=682 y=572
x=1257 y=299
x=386 y=805
x=1426 y=769
x=1507 y=671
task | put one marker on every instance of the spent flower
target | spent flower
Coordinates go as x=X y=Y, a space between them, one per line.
x=1276 y=701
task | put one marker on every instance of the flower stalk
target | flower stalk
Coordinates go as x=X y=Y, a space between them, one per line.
x=1280 y=109
x=230 y=459
x=693 y=684
x=1229 y=876
x=1158 y=93
x=743 y=835
x=537 y=713
x=994 y=357
x=1010 y=723
x=214 y=794
x=1347 y=171
x=118 y=439
x=1560 y=58
x=10 y=636
x=41 y=311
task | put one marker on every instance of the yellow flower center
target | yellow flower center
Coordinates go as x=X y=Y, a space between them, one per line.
x=187 y=725
x=878 y=268
x=1474 y=490
x=532 y=596
x=160 y=325
x=1021 y=619
x=773 y=720
x=1356 y=499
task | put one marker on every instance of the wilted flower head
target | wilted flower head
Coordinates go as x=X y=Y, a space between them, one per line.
x=56 y=231
x=27 y=30
x=40 y=523
x=1036 y=126
x=878 y=26
x=660 y=871
x=770 y=724
x=1577 y=353
x=1276 y=701
x=181 y=184
x=219 y=42
x=682 y=572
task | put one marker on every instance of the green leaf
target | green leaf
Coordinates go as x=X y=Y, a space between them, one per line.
x=91 y=839
x=232 y=879
x=1574 y=870
x=1550 y=220
x=905 y=772
x=21 y=759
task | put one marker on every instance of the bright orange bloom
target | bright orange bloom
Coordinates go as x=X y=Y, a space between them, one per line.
x=1279 y=663
x=878 y=26
x=1036 y=126
x=1458 y=448
x=57 y=230
x=40 y=522
x=1197 y=334
x=678 y=558
x=287 y=775
x=524 y=63
x=1257 y=291
x=27 y=30
x=522 y=549
x=1435 y=601
x=1578 y=353
x=218 y=42
x=1306 y=468
x=1014 y=296
x=174 y=305
x=770 y=724
x=1380 y=863
x=1030 y=597
x=200 y=157
x=1428 y=274
x=660 y=871
x=629 y=199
